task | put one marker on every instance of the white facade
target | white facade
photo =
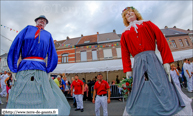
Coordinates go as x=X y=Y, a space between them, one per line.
x=3 y=63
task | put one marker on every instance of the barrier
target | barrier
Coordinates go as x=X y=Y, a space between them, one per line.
x=115 y=92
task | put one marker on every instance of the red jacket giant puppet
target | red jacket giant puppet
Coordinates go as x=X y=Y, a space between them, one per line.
x=157 y=94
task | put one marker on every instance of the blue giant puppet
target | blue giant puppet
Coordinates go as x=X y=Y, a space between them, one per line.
x=32 y=87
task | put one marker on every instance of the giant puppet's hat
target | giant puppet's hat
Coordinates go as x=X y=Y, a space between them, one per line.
x=42 y=16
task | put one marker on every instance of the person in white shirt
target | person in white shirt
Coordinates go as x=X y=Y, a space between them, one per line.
x=187 y=73
x=175 y=75
x=192 y=73
x=3 y=85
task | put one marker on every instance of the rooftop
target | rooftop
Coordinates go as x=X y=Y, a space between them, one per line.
x=107 y=37
x=88 y=39
x=172 y=32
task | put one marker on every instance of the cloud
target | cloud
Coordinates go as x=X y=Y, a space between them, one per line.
x=73 y=18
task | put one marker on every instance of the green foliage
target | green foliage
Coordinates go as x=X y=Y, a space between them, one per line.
x=126 y=84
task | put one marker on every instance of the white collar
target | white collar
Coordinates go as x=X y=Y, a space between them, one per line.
x=133 y=24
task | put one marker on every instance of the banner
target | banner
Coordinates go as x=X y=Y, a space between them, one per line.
x=11 y=29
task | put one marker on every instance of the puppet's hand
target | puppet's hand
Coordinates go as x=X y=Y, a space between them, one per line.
x=129 y=74
x=49 y=76
x=13 y=77
x=167 y=69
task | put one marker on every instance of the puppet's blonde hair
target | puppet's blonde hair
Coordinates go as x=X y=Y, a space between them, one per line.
x=138 y=15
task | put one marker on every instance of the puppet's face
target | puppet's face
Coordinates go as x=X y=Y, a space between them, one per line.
x=130 y=16
x=41 y=22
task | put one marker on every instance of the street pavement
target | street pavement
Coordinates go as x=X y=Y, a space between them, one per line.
x=115 y=108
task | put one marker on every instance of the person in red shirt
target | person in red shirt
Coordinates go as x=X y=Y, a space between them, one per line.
x=101 y=88
x=78 y=87
x=152 y=92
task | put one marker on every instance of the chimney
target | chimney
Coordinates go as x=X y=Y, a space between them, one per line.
x=67 y=38
x=165 y=27
x=174 y=27
x=114 y=31
x=81 y=35
x=97 y=33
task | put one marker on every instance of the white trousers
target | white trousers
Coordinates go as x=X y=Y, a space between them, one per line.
x=192 y=82
x=3 y=92
x=79 y=101
x=189 y=83
x=178 y=84
x=101 y=100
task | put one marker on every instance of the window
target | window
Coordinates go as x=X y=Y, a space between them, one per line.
x=187 y=43
x=107 y=38
x=83 y=56
x=86 y=41
x=94 y=54
x=174 y=44
x=118 y=52
x=107 y=53
x=181 y=43
x=64 y=58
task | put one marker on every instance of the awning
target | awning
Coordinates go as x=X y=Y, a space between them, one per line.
x=110 y=65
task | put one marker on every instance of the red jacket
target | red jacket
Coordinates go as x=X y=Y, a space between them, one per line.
x=134 y=43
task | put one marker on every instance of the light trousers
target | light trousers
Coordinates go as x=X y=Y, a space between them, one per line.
x=79 y=101
x=101 y=101
x=3 y=92
x=189 y=82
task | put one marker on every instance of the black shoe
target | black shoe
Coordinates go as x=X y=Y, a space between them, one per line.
x=77 y=109
x=82 y=110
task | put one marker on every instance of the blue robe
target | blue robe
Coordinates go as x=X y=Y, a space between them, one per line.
x=26 y=44
x=33 y=89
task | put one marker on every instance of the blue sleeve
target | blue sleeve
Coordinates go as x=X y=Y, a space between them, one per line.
x=52 y=56
x=64 y=83
x=15 y=50
x=182 y=70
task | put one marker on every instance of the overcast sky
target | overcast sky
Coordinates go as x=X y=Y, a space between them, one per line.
x=73 y=18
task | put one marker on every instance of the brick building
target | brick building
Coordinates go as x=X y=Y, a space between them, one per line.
x=109 y=46
x=66 y=50
x=98 y=47
x=106 y=46
x=86 y=48
x=178 y=39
